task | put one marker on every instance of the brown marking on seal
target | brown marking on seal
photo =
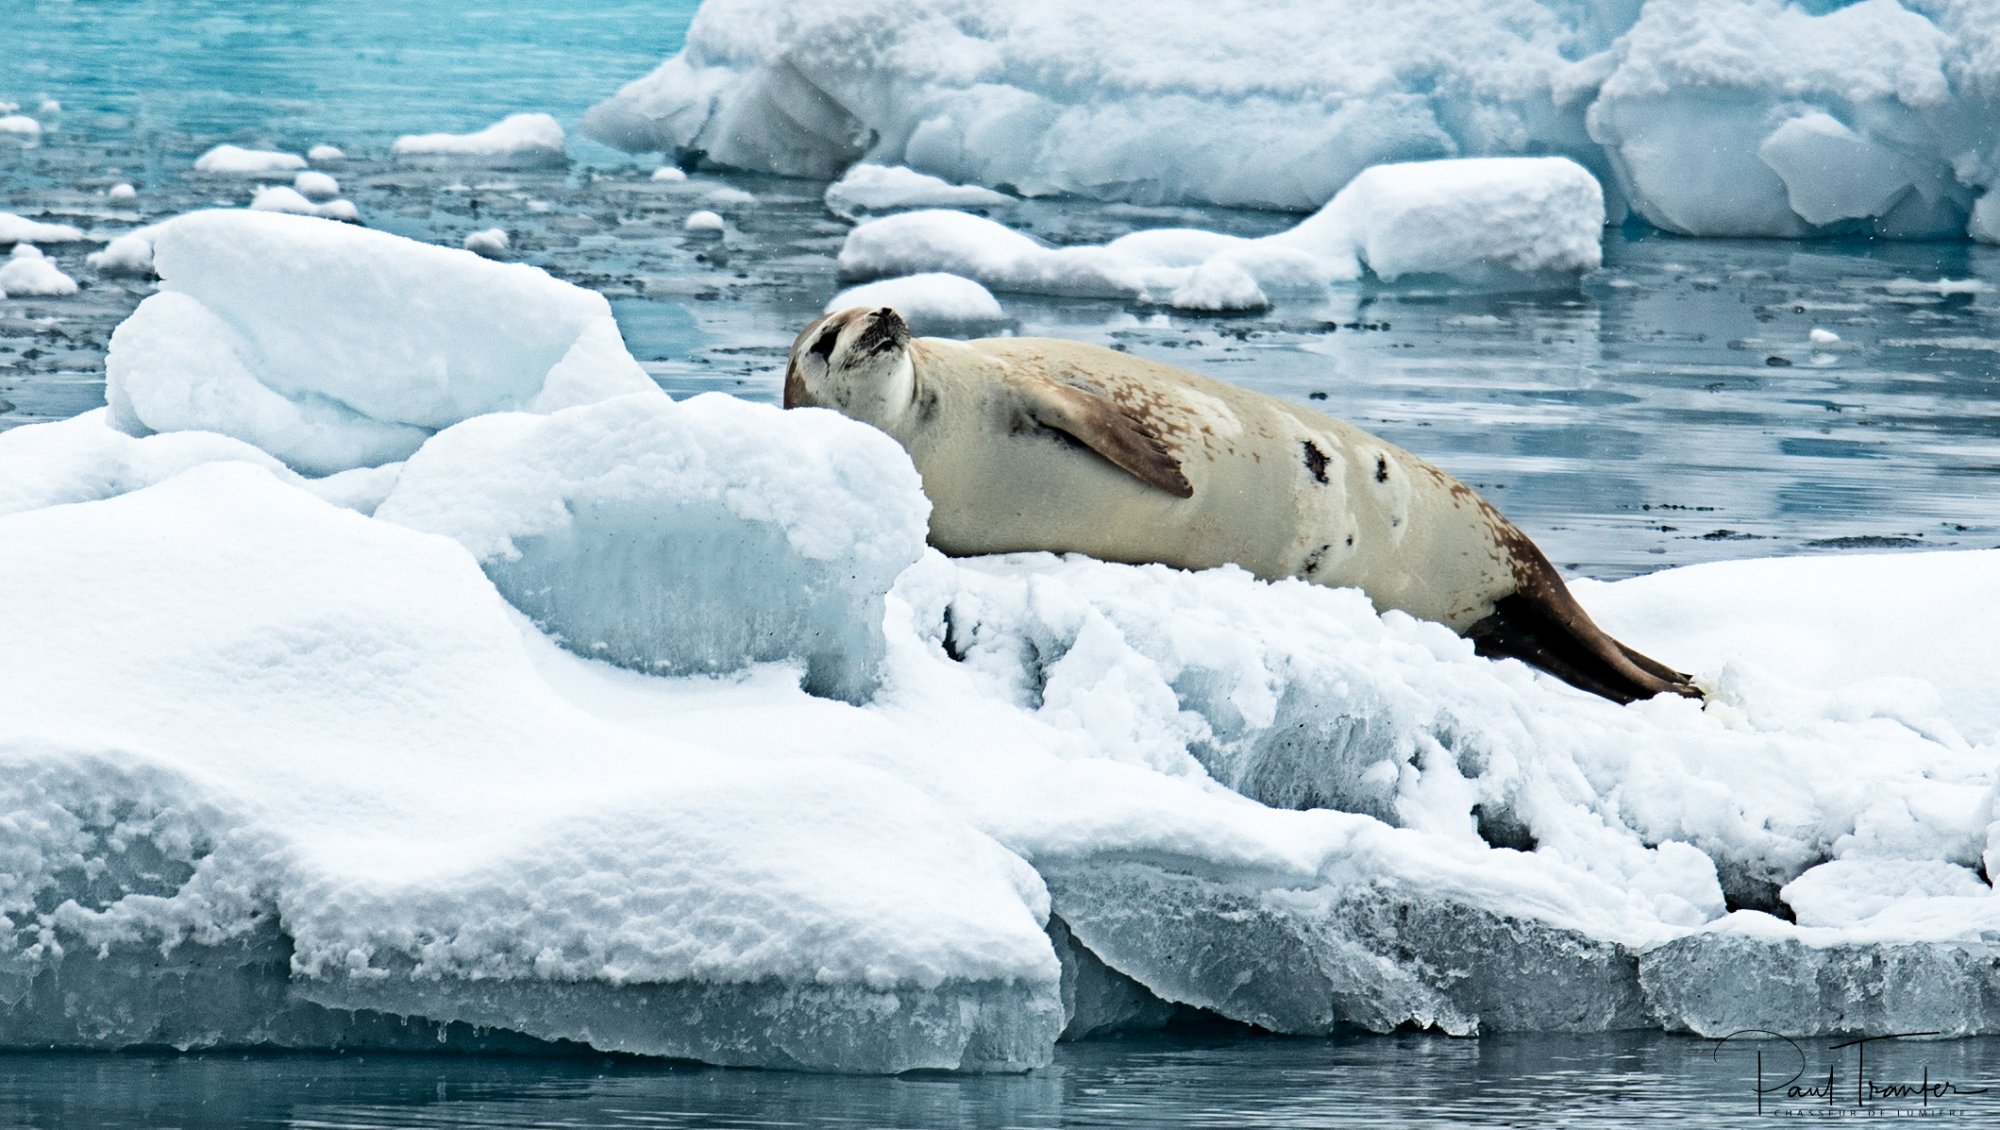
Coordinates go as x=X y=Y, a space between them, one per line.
x=1315 y=461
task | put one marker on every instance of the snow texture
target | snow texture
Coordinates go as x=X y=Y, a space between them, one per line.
x=517 y=141
x=334 y=347
x=1500 y=222
x=27 y=271
x=234 y=160
x=1708 y=117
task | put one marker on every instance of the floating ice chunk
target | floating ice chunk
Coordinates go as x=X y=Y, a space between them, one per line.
x=1492 y=221
x=890 y=188
x=515 y=141
x=20 y=127
x=323 y=152
x=128 y=254
x=933 y=299
x=669 y=174
x=28 y=271
x=332 y=346
x=678 y=538
x=1219 y=286
x=19 y=229
x=121 y=193
x=234 y=160
x=705 y=221
x=491 y=243
x=316 y=185
x=1940 y=287
x=281 y=198
x=728 y=197
x=1985 y=222
x=1819 y=336
x=50 y=106
x=961 y=244
x=1477 y=220
x=1832 y=173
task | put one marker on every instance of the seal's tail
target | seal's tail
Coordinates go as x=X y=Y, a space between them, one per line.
x=1541 y=624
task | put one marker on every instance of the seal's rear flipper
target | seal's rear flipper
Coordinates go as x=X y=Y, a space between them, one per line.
x=1542 y=625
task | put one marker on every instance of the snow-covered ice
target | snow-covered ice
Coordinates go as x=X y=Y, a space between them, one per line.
x=332 y=346
x=20 y=128
x=515 y=141
x=703 y=220
x=234 y=160
x=284 y=198
x=560 y=707
x=491 y=243
x=1495 y=221
x=891 y=188
x=16 y=228
x=27 y=271
x=927 y=300
x=121 y=193
x=1714 y=117
x=322 y=153
x=128 y=254
x=668 y=174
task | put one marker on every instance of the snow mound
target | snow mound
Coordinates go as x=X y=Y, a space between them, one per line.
x=333 y=347
x=705 y=221
x=19 y=229
x=668 y=174
x=28 y=271
x=516 y=141
x=648 y=895
x=682 y=537
x=282 y=198
x=1500 y=222
x=892 y=188
x=1711 y=117
x=121 y=193
x=928 y=301
x=322 y=152
x=234 y=160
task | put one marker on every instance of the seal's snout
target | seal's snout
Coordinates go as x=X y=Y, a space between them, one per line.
x=886 y=331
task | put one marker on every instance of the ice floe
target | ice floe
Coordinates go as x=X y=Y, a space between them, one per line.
x=28 y=271
x=323 y=152
x=490 y=243
x=234 y=160
x=121 y=193
x=284 y=198
x=515 y=141
x=889 y=188
x=569 y=710
x=1495 y=221
x=1710 y=117
x=314 y=185
x=20 y=229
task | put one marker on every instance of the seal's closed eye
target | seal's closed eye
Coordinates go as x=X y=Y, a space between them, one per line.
x=824 y=346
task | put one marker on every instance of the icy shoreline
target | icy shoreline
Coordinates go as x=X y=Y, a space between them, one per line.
x=358 y=730
x=1703 y=117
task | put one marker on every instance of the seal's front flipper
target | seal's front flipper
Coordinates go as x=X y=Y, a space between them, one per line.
x=1112 y=430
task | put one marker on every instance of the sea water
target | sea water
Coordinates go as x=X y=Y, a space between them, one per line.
x=1675 y=407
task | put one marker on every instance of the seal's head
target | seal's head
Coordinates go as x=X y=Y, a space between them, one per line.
x=856 y=361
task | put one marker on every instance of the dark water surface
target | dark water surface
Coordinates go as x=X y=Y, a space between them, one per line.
x=1624 y=1079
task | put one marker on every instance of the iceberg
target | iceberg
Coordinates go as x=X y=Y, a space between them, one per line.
x=1706 y=117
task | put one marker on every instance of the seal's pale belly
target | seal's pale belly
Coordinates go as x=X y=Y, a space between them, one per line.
x=1279 y=490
